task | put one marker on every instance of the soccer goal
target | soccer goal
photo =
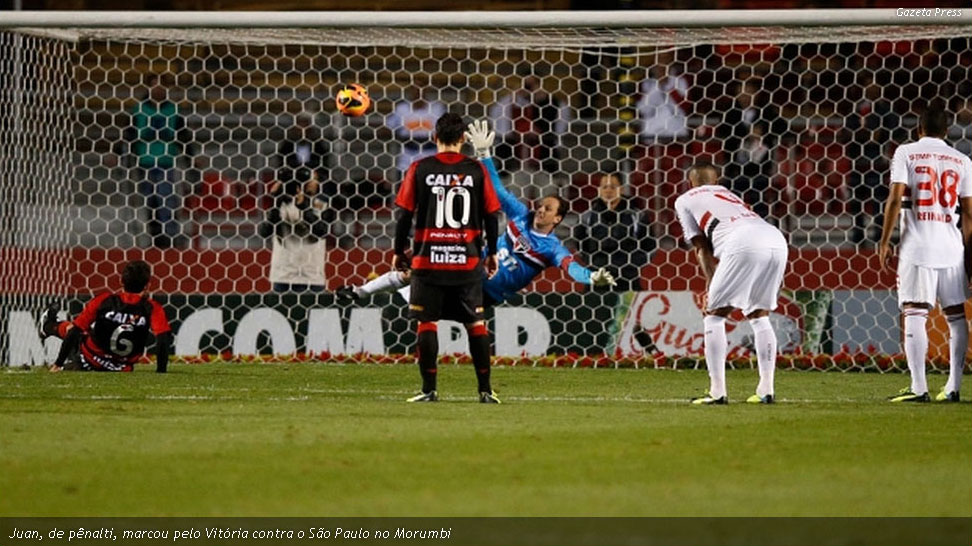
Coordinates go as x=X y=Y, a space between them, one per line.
x=159 y=136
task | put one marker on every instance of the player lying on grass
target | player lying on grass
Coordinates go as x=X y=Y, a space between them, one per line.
x=527 y=248
x=929 y=179
x=110 y=333
x=751 y=258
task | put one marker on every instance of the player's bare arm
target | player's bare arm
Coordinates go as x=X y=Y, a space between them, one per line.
x=892 y=207
x=707 y=261
x=491 y=265
x=967 y=234
x=705 y=257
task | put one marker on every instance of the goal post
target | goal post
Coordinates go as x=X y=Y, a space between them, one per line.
x=800 y=109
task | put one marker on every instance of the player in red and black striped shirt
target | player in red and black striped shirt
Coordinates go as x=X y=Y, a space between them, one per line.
x=450 y=201
x=111 y=332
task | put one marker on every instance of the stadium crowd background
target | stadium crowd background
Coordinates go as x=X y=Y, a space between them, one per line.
x=803 y=131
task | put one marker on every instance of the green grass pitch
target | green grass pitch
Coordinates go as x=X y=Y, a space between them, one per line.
x=312 y=439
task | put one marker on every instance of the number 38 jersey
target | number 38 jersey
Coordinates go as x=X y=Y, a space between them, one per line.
x=936 y=176
x=450 y=196
x=117 y=327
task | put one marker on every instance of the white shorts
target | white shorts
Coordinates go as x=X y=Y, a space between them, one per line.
x=749 y=280
x=920 y=284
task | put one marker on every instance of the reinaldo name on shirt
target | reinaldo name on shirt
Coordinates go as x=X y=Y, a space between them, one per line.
x=933 y=217
x=449 y=180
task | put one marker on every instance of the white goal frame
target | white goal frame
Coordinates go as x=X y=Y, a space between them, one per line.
x=584 y=28
x=454 y=19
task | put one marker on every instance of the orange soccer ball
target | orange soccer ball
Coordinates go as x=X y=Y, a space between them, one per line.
x=353 y=100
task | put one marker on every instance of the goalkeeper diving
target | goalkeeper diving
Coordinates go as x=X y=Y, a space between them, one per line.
x=528 y=247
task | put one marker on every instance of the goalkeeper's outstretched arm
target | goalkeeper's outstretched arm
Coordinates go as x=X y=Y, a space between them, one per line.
x=481 y=139
x=599 y=278
x=512 y=206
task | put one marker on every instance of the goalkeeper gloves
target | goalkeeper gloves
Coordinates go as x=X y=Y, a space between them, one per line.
x=481 y=138
x=602 y=278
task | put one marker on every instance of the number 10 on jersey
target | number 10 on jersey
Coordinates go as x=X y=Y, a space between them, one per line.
x=445 y=206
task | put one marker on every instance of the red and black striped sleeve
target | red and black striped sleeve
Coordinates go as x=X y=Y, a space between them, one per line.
x=90 y=312
x=158 y=320
x=406 y=192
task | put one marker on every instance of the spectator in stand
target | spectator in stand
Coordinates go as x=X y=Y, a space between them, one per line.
x=750 y=131
x=529 y=124
x=303 y=147
x=662 y=106
x=872 y=127
x=157 y=143
x=613 y=234
x=297 y=221
x=753 y=163
x=413 y=124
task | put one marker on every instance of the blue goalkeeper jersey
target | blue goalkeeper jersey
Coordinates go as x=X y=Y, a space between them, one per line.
x=523 y=253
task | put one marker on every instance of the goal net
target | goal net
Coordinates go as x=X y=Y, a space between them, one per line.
x=144 y=139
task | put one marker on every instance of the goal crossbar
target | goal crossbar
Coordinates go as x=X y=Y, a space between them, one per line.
x=459 y=19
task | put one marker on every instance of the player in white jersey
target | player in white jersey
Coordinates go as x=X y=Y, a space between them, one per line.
x=751 y=260
x=929 y=180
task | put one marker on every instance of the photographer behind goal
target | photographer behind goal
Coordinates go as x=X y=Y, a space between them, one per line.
x=297 y=222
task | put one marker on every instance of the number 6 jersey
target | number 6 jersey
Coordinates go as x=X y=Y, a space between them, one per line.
x=450 y=196
x=117 y=328
x=936 y=176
